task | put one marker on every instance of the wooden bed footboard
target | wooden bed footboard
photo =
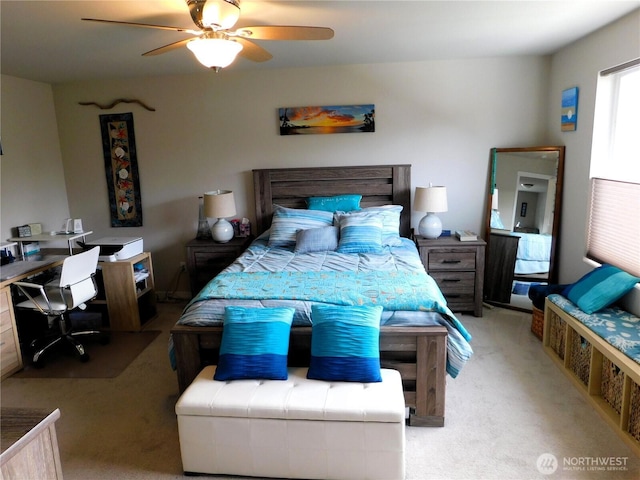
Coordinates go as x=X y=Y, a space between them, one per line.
x=418 y=353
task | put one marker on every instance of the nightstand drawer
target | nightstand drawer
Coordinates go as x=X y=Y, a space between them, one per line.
x=451 y=260
x=214 y=261
x=455 y=282
x=458 y=269
x=206 y=259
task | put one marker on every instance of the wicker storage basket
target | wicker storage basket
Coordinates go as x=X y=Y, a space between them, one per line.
x=537 y=322
x=580 y=360
x=557 y=328
x=611 y=384
x=634 y=411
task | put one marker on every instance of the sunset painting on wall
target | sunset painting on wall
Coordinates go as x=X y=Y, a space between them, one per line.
x=329 y=119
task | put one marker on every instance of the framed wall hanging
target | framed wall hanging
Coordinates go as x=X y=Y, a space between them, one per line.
x=569 y=119
x=328 y=119
x=121 y=168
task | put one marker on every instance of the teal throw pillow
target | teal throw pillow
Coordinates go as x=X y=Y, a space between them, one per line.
x=255 y=343
x=345 y=343
x=600 y=288
x=345 y=203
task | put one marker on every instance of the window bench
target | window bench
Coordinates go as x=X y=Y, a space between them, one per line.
x=609 y=379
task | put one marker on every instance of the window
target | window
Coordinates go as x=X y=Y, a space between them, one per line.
x=613 y=229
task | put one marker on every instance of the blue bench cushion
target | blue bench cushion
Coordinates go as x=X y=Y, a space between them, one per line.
x=617 y=327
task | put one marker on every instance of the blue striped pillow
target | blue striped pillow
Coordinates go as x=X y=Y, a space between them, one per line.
x=255 y=343
x=345 y=343
x=287 y=221
x=360 y=233
x=600 y=288
x=390 y=216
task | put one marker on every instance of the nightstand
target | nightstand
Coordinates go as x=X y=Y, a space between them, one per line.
x=458 y=269
x=206 y=259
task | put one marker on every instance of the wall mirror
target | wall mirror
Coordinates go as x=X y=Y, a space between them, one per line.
x=522 y=222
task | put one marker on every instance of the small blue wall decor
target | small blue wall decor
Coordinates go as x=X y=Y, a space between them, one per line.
x=569 y=119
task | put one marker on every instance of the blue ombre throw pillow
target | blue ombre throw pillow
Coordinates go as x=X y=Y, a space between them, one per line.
x=600 y=288
x=255 y=343
x=345 y=343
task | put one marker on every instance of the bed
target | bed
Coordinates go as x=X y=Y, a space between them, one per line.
x=423 y=344
x=534 y=253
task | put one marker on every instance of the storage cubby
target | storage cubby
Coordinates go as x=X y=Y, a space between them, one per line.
x=130 y=292
x=607 y=377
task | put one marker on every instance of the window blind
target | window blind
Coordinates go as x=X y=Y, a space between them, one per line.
x=613 y=229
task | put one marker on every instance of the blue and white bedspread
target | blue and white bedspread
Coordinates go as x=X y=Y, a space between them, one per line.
x=534 y=253
x=397 y=280
x=619 y=328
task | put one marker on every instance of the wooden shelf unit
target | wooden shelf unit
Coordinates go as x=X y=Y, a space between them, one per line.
x=130 y=303
x=10 y=354
x=609 y=380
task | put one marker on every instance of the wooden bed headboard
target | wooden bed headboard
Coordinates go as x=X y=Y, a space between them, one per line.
x=290 y=187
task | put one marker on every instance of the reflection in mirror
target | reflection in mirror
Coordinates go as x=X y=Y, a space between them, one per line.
x=523 y=216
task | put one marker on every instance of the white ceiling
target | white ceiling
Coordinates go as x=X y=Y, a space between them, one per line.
x=46 y=40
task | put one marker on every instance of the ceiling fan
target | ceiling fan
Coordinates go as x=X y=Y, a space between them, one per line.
x=216 y=45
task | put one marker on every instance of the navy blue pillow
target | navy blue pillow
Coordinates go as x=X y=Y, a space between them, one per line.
x=255 y=343
x=345 y=343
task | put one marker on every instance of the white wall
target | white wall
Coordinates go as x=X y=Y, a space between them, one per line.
x=31 y=171
x=577 y=66
x=210 y=130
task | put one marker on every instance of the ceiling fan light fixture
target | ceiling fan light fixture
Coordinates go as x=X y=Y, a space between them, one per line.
x=219 y=14
x=214 y=53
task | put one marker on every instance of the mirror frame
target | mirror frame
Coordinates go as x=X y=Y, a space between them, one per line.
x=553 y=260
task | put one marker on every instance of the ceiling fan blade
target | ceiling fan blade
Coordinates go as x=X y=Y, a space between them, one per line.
x=253 y=51
x=285 y=32
x=167 y=48
x=144 y=25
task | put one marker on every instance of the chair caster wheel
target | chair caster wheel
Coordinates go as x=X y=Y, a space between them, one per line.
x=84 y=357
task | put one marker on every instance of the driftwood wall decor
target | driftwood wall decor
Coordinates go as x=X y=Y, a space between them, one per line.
x=116 y=102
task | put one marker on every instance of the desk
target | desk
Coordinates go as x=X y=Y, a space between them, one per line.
x=50 y=237
x=29 y=444
x=10 y=353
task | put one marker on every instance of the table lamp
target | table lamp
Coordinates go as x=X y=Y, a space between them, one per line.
x=220 y=204
x=431 y=200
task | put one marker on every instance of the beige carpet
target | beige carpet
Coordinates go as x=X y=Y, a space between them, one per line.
x=509 y=406
x=105 y=361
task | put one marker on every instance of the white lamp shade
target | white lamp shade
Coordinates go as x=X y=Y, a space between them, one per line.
x=430 y=199
x=214 y=52
x=219 y=204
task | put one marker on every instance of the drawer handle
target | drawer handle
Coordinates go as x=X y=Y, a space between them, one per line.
x=451 y=261
x=451 y=280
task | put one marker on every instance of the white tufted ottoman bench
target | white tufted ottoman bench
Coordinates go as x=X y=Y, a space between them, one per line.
x=295 y=428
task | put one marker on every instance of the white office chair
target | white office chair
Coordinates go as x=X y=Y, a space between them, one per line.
x=75 y=287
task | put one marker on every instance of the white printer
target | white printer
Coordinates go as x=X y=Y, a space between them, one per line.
x=113 y=249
